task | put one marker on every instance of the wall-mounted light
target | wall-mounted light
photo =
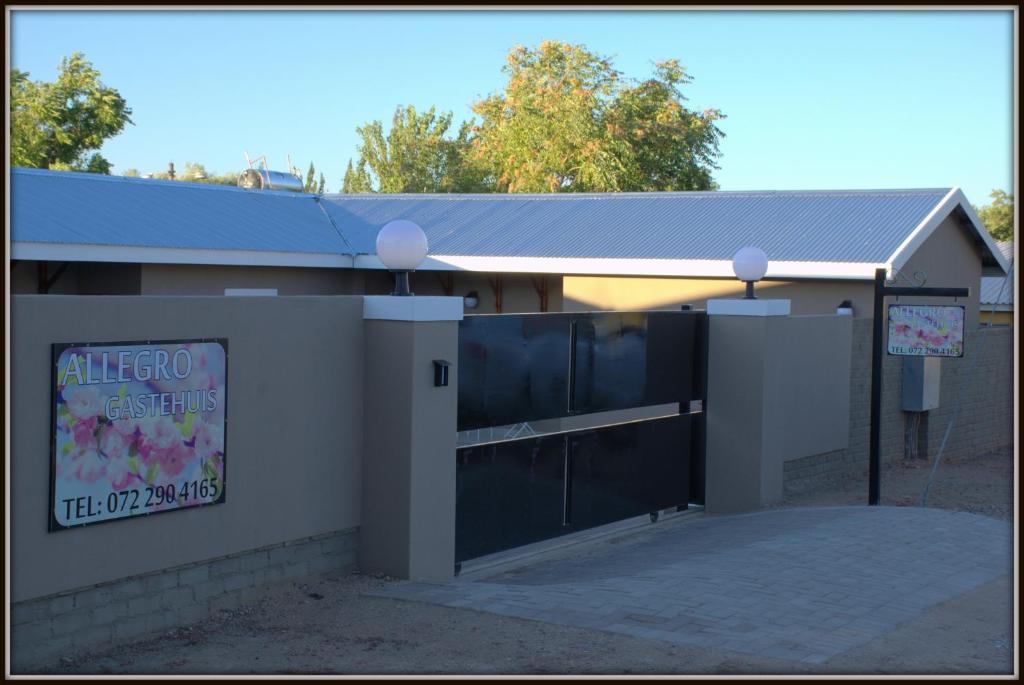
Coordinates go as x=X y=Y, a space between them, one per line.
x=845 y=308
x=750 y=264
x=471 y=300
x=401 y=247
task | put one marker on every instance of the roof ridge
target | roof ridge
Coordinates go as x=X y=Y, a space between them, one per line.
x=114 y=178
x=643 y=195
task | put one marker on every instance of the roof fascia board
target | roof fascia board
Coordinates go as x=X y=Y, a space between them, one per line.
x=66 y=252
x=924 y=230
x=631 y=267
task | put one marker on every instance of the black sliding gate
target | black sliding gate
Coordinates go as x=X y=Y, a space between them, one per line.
x=526 y=473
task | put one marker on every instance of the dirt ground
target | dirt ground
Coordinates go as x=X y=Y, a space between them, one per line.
x=328 y=626
x=980 y=485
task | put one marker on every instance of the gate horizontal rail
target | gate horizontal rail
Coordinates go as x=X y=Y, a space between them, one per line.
x=562 y=431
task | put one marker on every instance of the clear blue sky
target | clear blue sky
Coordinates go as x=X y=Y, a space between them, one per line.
x=814 y=99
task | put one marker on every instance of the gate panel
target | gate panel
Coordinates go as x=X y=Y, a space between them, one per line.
x=632 y=359
x=512 y=368
x=508 y=494
x=628 y=470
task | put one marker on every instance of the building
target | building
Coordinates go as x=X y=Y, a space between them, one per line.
x=997 y=294
x=90 y=234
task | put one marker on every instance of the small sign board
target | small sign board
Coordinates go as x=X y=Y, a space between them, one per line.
x=926 y=330
x=137 y=428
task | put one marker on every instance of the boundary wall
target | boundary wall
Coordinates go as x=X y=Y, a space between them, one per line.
x=985 y=422
x=293 y=502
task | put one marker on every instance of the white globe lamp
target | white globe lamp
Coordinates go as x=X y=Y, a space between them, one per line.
x=401 y=247
x=750 y=264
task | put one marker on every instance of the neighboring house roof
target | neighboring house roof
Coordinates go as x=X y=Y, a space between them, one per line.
x=810 y=234
x=997 y=291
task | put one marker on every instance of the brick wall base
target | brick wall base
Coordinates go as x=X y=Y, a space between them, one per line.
x=803 y=475
x=46 y=628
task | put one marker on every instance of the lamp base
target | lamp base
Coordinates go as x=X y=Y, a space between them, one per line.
x=401 y=283
x=750 y=291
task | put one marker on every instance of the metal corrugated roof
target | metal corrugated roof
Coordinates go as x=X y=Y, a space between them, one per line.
x=812 y=226
x=993 y=291
x=91 y=209
x=1006 y=247
x=990 y=286
x=833 y=233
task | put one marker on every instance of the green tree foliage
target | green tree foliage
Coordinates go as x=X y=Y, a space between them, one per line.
x=998 y=216
x=357 y=180
x=415 y=156
x=668 y=146
x=568 y=121
x=194 y=172
x=131 y=173
x=312 y=185
x=60 y=125
x=545 y=132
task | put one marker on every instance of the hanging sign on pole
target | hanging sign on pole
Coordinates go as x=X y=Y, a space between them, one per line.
x=926 y=330
x=878 y=335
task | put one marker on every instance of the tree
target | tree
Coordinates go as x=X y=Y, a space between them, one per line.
x=61 y=125
x=545 y=132
x=670 y=147
x=131 y=173
x=357 y=180
x=998 y=216
x=568 y=121
x=312 y=185
x=413 y=157
x=193 y=172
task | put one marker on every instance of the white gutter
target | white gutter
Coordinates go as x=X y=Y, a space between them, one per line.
x=631 y=267
x=64 y=252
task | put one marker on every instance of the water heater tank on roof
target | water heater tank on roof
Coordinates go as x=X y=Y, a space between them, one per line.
x=264 y=179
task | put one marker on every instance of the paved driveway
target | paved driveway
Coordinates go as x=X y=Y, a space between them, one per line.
x=801 y=585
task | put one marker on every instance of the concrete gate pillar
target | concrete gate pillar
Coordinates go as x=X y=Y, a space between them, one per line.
x=778 y=390
x=409 y=425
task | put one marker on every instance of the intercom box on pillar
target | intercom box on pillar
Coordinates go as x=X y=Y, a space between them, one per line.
x=921 y=376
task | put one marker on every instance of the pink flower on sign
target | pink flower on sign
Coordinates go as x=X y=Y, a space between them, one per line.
x=125 y=426
x=82 y=401
x=119 y=473
x=161 y=434
x=83 y=432
x=113 y=444
x=174 y=460
x=89 y=466
x=209 y=440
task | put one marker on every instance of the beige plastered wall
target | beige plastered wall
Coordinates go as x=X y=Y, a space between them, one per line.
x=948 y=258
x=778 y=390
x=204 y=279
x=408 y=523
x=294 y=431
x=609 y=293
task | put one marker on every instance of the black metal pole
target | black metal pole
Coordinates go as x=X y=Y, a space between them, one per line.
x=750 y=291
x=877 y=329
x=878 y=324
x=401 y=283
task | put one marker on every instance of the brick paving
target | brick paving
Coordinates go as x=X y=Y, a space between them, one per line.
x=801 y=585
